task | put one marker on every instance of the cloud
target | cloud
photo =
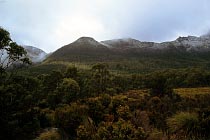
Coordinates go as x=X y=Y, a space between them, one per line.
x=50 y=24
x=70 y=29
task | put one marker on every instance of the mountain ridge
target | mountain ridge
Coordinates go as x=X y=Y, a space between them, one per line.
x=89 y=46
x=136 y=56
x=88 y=49
x=192 y=43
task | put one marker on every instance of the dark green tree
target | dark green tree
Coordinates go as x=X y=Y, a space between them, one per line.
x=52 y=81
x=159 y=85
x=69 y=117
x=71 y=72
x=10 y=52
x=100 y=78
x=69 y=89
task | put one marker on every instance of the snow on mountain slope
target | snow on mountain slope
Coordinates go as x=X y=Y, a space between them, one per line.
x=190 y=43
x=127 y=43
x=35 y=54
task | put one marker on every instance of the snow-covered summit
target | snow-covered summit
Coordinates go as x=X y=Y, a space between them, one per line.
x=35 y=54
x=194 y=43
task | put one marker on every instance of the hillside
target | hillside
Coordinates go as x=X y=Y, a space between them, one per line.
x=132 y=55
x=83 y=49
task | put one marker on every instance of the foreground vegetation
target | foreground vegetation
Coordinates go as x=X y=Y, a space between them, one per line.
x=96 y=104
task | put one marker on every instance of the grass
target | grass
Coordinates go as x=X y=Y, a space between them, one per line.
x=192 y=92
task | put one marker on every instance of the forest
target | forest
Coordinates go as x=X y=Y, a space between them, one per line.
x=97 y=103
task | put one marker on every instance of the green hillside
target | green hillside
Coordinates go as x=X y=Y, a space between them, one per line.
x=135 y=62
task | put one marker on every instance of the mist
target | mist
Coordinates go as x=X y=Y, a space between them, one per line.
x=51 y=24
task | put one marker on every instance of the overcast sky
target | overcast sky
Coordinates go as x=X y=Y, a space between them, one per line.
x=50 y=24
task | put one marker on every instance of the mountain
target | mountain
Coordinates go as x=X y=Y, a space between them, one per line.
x=89 y=46
x=35 y=54
x=190 y=43
x=136 y=56
x=84 y=49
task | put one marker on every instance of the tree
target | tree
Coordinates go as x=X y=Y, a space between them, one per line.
x=69 y=89
x=10 y=52
x=69 y=117
x=100 y=77
x=18 y=116
x=96 y=110
x=159 y=85
x=71 y=72
x=52 y=80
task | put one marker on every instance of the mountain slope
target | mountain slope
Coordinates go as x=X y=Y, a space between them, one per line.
x=136 y=56
x=84 y=49
x=126 y=43
x=190 y=43
x=35 y=54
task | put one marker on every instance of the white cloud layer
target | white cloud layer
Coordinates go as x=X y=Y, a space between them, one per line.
x=50 y=24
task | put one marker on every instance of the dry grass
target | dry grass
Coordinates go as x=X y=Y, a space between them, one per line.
x=192 y=92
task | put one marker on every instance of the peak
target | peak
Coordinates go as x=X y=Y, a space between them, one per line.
x=188 y=38
x=86 y=39
x=34 y=53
